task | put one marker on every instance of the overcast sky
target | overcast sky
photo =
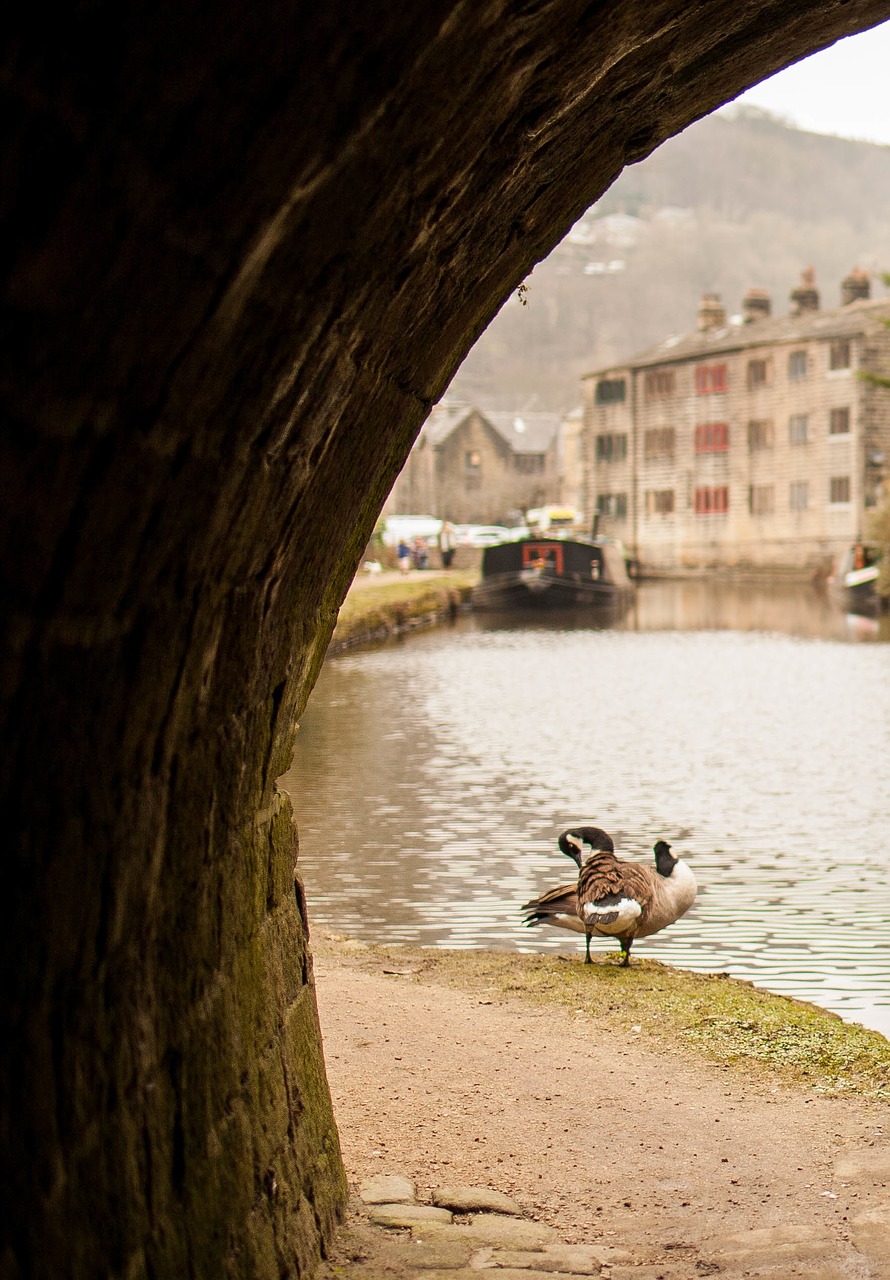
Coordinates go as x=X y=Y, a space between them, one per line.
x=843 y=90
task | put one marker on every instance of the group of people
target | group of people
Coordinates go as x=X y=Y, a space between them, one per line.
x=416 y=554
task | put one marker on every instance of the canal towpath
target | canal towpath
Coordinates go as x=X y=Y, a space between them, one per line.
x=607 y=1155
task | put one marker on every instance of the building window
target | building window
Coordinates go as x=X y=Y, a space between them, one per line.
x=712 y=437
x=839 y=354
x=659 y=382
x=760 y=435
x=839 y=489
x=611 y=448
x=798 y=428
x=761 y=499
x=472 y=469
x=658 y=442
x=759 y=373
x=798 y=366
x=613 y=505
x=529 y=464
x=712 y=501
x=659 y=502
x=711 y=379
x=610 y=391
x=839 y=422
x=799 y=495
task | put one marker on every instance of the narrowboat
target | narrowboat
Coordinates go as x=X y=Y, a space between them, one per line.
x=553 y=573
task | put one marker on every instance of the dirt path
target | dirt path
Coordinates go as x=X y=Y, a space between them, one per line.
x=689 y=1166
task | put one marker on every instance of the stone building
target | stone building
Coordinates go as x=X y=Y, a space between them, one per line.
x=754 y=442
x=479 y=467
x=570 y=471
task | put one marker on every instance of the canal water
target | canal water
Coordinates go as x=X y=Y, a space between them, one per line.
x=749 y=727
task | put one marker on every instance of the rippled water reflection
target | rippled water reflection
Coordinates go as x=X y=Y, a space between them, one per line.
x=432 y=778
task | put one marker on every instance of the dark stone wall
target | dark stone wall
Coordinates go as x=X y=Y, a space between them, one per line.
x=244 y=248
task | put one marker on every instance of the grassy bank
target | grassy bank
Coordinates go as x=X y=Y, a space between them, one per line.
x=727 y=1020
x=374 y=609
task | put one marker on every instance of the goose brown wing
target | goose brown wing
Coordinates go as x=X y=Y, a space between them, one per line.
x=561 y=901
x=605 y=879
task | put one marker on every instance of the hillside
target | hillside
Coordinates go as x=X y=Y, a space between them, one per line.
x=739 y=199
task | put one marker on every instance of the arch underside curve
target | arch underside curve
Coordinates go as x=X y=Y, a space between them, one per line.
x=244 y=252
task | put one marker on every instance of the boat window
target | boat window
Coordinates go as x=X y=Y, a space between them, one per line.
x=542 y=555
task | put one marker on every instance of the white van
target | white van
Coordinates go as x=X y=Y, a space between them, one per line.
x=395 y=528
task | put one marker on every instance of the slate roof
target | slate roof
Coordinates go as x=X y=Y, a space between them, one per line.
x=855 y=318
x=522 y=432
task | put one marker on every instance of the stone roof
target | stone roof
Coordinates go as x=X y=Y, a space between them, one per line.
x=522 y=432
x=855 y=318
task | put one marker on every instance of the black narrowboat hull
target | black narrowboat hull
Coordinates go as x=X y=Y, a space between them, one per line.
x=552 y=573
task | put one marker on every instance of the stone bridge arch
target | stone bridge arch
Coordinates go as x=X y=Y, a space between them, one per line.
x=245 y=248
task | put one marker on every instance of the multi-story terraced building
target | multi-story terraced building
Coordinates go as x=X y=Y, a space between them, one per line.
x=758 y=442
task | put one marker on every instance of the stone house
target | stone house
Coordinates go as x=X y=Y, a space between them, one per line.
x=751 y=443
x=474 y=466
x=570 y=471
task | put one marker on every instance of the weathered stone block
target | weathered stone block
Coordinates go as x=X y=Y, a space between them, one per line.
x=475 y=1200
x=388 y=1188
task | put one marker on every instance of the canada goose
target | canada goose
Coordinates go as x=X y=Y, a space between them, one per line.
x=612 y=898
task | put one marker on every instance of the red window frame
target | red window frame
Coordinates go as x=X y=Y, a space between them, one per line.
x=710 y=501
x=712 y=437
x=711 y=379
x=550 y=552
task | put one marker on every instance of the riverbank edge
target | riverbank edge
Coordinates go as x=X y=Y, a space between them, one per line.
x=377 y=611
x=727 y=1020
x=381 y=607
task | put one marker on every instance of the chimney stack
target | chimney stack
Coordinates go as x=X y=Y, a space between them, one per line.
x=756 y=305
x=711 y=313
x=806 y=296
x=855 y=287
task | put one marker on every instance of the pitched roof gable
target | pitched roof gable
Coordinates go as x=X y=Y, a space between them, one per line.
x=521 y=432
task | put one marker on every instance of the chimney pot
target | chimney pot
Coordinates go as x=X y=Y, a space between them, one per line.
x=855 y=286
x=711 y=313
x=806 y=296
x=756 y=305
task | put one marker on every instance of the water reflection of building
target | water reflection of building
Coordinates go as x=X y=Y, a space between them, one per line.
x=749 y=443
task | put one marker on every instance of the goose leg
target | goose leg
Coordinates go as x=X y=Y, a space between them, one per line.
x=587 y=959
x=625 y=952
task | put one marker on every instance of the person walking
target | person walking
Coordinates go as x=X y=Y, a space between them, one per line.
x=446 y=544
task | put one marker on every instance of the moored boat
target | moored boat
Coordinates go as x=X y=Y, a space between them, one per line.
x=853 y=580
x=553 y=573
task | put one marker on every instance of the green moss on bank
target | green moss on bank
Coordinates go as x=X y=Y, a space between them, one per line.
x=371 y=611
x=729 y=1021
